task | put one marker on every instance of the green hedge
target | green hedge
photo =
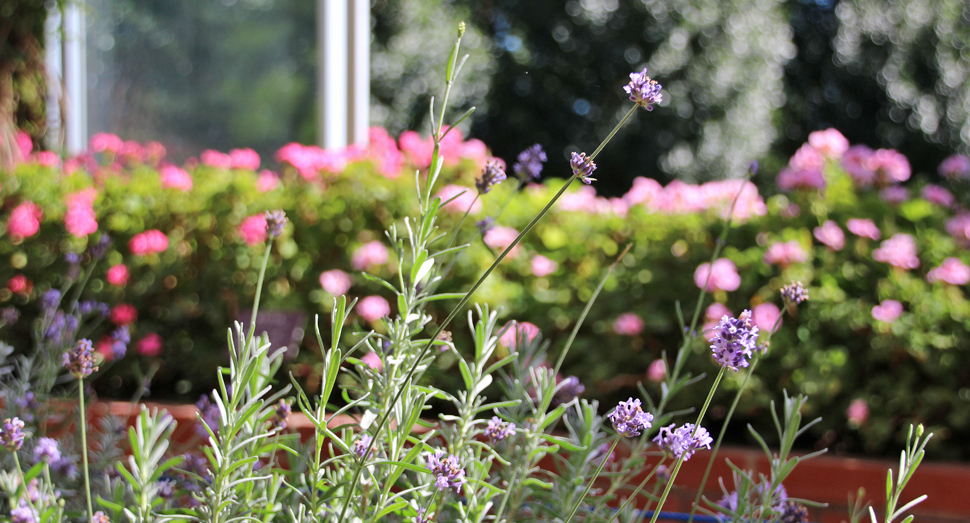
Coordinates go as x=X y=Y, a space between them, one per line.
x=911 y=369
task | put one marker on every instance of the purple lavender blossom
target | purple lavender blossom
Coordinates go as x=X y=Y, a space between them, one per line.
x=79 y=361
x=98 y=250
x=166 y=488
x=449 y=472
x=729 y=501
x=23 y=514
x=90 y=307
x=27 y=404
x=100 y=517
x=492 y=174
x=792 y=512
x=629 y=419
x=683 y=440
x=65 y=467
x=793 y=293
x=485 y=225
x=282 y=412
x=47 y=450
x=734 y=341
x=120 y=339
x=497 y=430
x=49 y=300
x=567 y=390
x=12 y=434
x=582 y=167
x=9 y=315
x=955 y=167
x=275 y=221
x=529 y=164
x=643 y=91
x=362 y=444
x=62 y=328
x=209 y=413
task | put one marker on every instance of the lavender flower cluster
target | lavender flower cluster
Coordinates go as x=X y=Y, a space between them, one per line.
x=629 y=419
x=735 y=340
x=448 y=471
x=683 y=440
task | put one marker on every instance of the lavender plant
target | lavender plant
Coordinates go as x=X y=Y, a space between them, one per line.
x=375 y=456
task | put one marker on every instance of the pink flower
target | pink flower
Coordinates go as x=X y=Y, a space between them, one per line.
x=938 y=195
x=657 y=371
x=628 y=324
x=831 y=235
x=466 y=200
x=267 y=181
x=417 y=150
x=148 y=242
x=712 y=316
x=215 y=159
x=887 y=311
x=373 y=308
x=19 y=284
x=954 y=167
x=155 y=152
x=952 y=271
x=765 y=315
x=118 y=275
x=252 y=230
x=372 y=360
x=150 y=345
x=858 y=412
x=244 y=159
x=174 y=177
x=24 y=220
x=855 y=162
x=382 y=149
x=894 y=194
x=723 y=276
x=959 y=228
x=786 y=253
x=369 y=255
x=898 y=251
x=132 y=152
x=890 y=166
x=46 y=159
x=542 y=266
x=518 y=331
x=24 y=144
x=124 y=314
x=829 y=142
x=499 y=238
x=105 y=142
x=336 y=282
x=864 y=228
x=80 y=219
x=643 y=192
x=804 y=170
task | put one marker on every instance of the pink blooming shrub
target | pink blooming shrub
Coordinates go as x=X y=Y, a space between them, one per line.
x=765 y=315
x=123 y=314
x=887 y=311
x=898 y=251
x=118 y=275
x=959 y=228
x=499 y=238
x=894 y=195
x=938 y=195
x=335 y=281
x=831 y=235
x=24 y=220
x=267 y=181
x=516 y=331
x=864 y=228
x=785 y=254
x=80 y=219
x=858 y=412
x=830 y=143
x=723 y=276
x=657 y=371
x=46 y=159
x=175 y=177
x=952 y=271
x=215 y=159
x=955 y=167
x=150 y=345
x=804 y=170
x=19 y=284
x=373 y=308
x=105 y=142
x=628 y=324
x=382 y=150
x=152 y=241
x=643 y=191
x=372 y=360
x=368 y=255
x=466 y=199
x=542 y=266
x=890 y=166
x=855 y=162
x=24 y=144
x=252 y=230
x=247 y=159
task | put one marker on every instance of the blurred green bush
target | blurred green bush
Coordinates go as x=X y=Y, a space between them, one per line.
x=892 y=373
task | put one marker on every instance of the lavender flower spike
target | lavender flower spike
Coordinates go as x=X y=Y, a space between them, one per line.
x=449 y=472
x=79 y=361
x=497 y=430
x=275 y=221
x=492 y=174
x=47 y=450
x=12 y=434
x=360 y=446
x=734 y=341
x=643 y=91
x=793 y=294
x=629 y=419
x=582 y=167
x=529 y=164
x=683 y=440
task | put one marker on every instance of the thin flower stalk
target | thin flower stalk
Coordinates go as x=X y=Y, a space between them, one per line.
x=589 y=484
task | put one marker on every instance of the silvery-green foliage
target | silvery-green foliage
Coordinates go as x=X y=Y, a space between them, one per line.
x=149 y=442
x=909 y=460
x=917 y=52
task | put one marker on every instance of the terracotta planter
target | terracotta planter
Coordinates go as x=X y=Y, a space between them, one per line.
x=827 y=479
